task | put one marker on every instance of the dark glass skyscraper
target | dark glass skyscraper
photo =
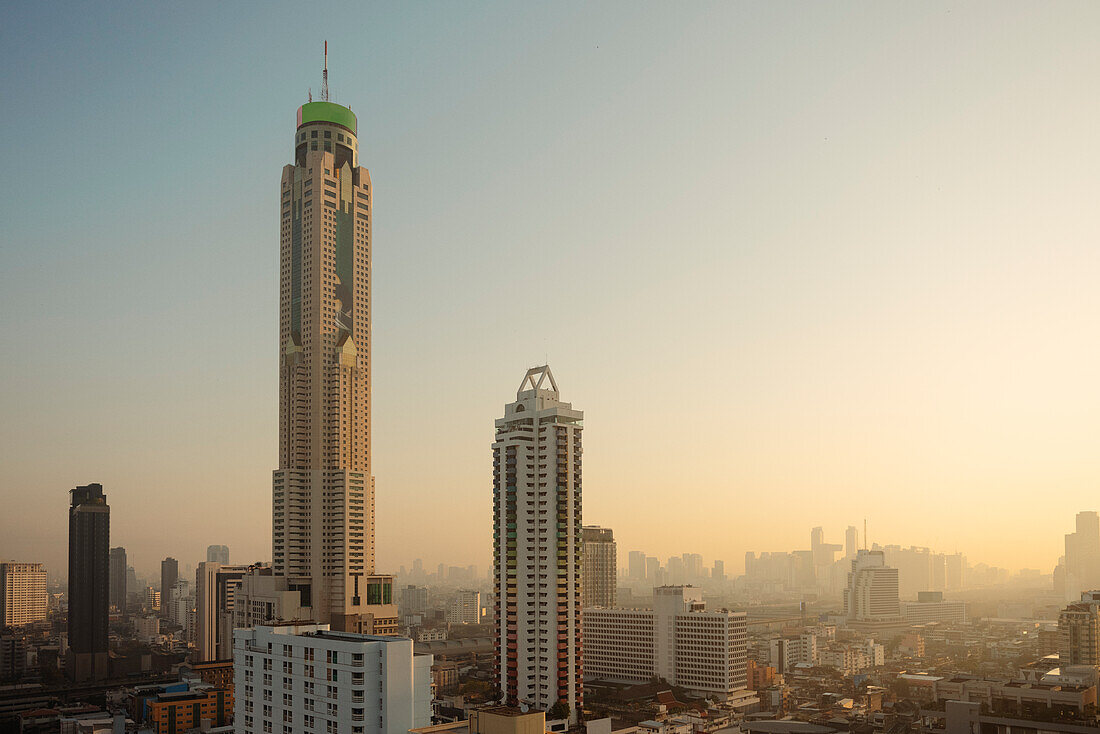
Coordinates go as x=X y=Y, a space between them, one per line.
x=89 y=582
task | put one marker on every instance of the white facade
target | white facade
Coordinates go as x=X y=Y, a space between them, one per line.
x=678 y=640
x=919 y=612
x=306 y=679
x=852 y=659
x=465 y=608
x=537 y=547
x=786 y=652
x=872 y=594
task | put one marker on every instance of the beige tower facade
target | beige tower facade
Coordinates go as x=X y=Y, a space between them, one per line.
x=323 y=492
x=22 y=594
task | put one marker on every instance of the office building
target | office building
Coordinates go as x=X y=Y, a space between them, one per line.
x=215 y=594
x=931 y=607
x=307 y=679
x=183 y=601
x=13 y=655
x=465 y=608
x=323 y=491
x=1079 y=631
x=871 y=598
x=600 y=577
x=119 y=578
x=169 y=574
x=22 y=594
x=537 y=547
x=635 y=566
x=794 y=649
x=217 y=554
x=678 y=640
x=89 y=582
x=718 y=571
x=151 y=599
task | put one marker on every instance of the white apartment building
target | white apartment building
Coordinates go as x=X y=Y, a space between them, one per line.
x=465 y=608
x=919 y=612
x=537 y=547
x=678 y=640
x=22 y=593
x=306 y=679
x=790 y=650
x=852 y=659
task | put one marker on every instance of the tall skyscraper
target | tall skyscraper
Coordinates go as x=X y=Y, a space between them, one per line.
x=718 y=573
x=217 y=554
x=851 y=542
x=22 y=594
x=600 y=578
x=169 y=574
x=871 y=599
x=89 y=582
x=537 y=547
x=118 y=578
x=1083 y=556
x=636 y=565
x=323 y=491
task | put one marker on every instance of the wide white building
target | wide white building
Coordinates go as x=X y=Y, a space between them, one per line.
x=678 y=640
x=919 y=612
x=537 y=547
x=306 y=679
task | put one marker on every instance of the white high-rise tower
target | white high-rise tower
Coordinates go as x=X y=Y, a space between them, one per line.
x=537 y=548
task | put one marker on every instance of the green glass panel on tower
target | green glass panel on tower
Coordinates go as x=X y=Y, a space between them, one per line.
x=328 y=112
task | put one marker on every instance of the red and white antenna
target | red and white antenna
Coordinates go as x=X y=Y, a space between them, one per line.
x=324 y=77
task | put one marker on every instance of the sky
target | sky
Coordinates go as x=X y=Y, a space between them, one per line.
x=799 y=264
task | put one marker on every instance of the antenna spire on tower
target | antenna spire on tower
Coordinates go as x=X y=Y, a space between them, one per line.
x=324 y=77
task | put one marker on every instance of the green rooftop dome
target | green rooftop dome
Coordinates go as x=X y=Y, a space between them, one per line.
x=328 y=112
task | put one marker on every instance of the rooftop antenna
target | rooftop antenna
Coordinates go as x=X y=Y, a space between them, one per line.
x=324 y=77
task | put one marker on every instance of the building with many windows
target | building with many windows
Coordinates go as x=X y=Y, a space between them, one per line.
x=600 y=579
x=1079 y=631
x=89 y=582
x=323 y=492
x=871 y=599
x=307 y=679
x=465 y=607
x=22 y=594
x=537 y=547
x=678 y=640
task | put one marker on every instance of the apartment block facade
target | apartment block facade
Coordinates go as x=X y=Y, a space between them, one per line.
x=22 y=594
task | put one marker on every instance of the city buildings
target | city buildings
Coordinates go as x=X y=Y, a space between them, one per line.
x=871 y=598
x=323 y=491
x=537 y=547
x=1079 y=631
x=169 y=574
x=600 y=577
x=414 y=599
x=151 y=600
x=118 y=578
x=465 y=608
x=217 y=554
x=184 y=711
x=635 y=566
x=678 y=640
x=307 y=679
x=89 y=581
x=22 y=593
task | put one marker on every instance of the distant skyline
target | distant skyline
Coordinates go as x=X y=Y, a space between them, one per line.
x=801 y=264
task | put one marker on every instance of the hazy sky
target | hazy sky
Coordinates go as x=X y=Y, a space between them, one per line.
x=799 y=263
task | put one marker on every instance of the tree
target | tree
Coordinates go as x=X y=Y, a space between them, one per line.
x=559 y=710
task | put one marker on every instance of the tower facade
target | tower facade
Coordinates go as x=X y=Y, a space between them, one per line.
x=871 y=599
x=89 y=582
x=169 y=573
x=323 y=492
x=537 y=548
x=600 y=579
x=22 y=593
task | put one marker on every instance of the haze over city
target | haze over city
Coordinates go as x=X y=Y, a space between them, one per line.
x=799 y=265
